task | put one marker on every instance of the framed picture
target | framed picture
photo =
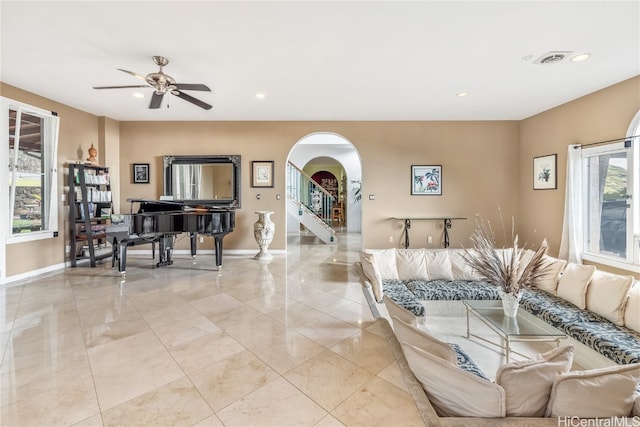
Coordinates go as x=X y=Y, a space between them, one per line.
x=544 y=172
x=140 y=173
x=426 y=180
x=262 y=173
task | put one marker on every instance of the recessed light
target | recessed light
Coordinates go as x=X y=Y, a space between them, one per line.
x=138 y=95
x=260 y=95
x=581 y=57
x=462 y=94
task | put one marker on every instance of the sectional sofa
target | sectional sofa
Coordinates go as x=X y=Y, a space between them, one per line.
x=599 y=310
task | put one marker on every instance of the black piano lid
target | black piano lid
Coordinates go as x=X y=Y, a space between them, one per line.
x=148 y=205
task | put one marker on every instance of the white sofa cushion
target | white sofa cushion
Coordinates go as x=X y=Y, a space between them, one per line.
x=632 y=308
x=607 y=295
x=573 y=283
x=411 y=264
x=452 y=391
x=549 y=281
x=406 y=333
x=438 y=265
x=604 y=392
x=386 y=262
x=395 y=311
x=527 y=384
x=370 y=269
x=460 y=269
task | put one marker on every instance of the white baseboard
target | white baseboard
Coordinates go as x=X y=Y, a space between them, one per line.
x=33 y=273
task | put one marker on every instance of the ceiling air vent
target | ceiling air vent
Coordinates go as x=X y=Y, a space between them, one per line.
x=552 y=57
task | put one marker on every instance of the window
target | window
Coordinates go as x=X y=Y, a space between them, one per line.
x=610 y=210
x=30 y=137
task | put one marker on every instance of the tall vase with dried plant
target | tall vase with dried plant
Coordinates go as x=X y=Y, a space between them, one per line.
x=511 y=269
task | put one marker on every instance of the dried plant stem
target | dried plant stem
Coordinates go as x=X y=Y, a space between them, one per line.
x=511 y=269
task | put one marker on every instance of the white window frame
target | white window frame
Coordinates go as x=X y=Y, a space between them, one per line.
x=7 y=180
x=632 y=260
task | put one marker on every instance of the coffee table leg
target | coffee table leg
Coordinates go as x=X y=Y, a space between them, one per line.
x=507 y=348
x=467 y=322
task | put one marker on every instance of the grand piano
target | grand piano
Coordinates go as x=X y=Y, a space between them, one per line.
x=201 y=194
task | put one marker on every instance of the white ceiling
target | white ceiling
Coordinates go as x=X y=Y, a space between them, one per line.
x=330 y=60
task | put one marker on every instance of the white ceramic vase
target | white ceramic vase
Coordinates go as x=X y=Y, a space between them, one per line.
x=263 y=230
x=510 y=302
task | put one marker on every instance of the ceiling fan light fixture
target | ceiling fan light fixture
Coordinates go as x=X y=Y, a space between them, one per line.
x=138 y=95
x=462 y=94
x=162 y=83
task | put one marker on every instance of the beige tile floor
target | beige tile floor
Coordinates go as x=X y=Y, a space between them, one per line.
x=291 y=342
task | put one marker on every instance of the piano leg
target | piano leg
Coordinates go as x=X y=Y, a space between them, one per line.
x=218 y=245
x=166 y=247
x=194 y=243
x=122 y=256
x=114 y=251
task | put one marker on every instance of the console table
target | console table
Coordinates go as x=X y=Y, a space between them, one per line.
x=445 y=220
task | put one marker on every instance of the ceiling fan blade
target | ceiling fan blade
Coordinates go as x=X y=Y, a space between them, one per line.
x=143 y=78
x=119 y=87
x=156 y=100
x=192 y=86
x=191 y=99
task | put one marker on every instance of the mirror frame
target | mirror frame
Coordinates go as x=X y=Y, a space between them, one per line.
x=234 y=160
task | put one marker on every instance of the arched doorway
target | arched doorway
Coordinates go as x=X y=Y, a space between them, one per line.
x=332 y=153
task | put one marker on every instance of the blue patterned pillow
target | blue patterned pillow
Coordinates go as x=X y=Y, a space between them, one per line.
x=452 y=290
x=466 y=363
x=398 y=293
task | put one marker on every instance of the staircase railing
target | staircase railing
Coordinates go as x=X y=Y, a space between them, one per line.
x=304 y=190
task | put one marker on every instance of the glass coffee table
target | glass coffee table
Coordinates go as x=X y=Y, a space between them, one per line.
x=524 y=327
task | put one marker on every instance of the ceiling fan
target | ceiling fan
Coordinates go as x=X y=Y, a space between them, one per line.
x=163 y=83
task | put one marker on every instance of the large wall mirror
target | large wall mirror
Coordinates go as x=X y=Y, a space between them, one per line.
x=203 y=179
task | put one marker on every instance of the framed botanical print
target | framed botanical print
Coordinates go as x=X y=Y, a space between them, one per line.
x=545 y=172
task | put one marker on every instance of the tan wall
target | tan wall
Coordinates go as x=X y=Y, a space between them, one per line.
x=109 y=146
x=78 y=130
x=480 y=170
x=487 y=167
x=599 y=116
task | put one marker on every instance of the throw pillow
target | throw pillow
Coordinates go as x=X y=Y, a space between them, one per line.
x=549 y=281
x=604 y=392
x=399 y=312
x=368 y=262
x=607 y=295
x=632 y=308
x=411 y=264
x=438 y=265
x=636 y=406
x=422 y=340
x=386 y=263
x=527 y=384
x=452 y=391
x=573 y=283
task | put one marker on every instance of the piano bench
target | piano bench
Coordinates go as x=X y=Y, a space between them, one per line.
x=119 y=247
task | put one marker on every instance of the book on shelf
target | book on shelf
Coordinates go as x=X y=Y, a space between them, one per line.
x=95 y=227
x=83 y=213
